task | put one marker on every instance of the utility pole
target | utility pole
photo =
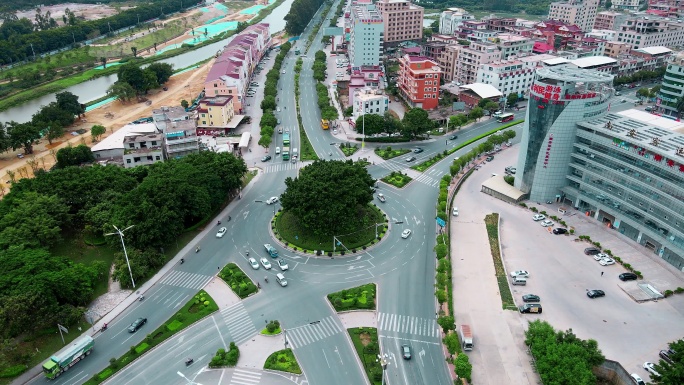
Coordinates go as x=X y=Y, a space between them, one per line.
x=34 y=52
x=121 y=235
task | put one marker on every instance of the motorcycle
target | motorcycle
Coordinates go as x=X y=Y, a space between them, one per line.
x=266 y=279
x=103 y=328
x=182 y=260
x=197 y=249
x=218 y=223
x=142 y=297
x=189 y=362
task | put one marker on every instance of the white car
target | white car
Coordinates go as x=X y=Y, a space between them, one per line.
x=278 y=109
x=650 y=367
x=455 y=211
x=547 y=223
x=283 y=71
x=265 y=263
x=598 y=257
x=253 y=262
x=221 y=232
x=283 y=264
x=637 y=380
x=405 y=234
x=520 y=273
x=538 y=217
x=606 y=262
x=271 y=200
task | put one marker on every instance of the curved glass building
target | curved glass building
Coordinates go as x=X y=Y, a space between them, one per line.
x=624 y=169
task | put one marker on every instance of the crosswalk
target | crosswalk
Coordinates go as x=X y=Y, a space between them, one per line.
x=185 y=279
x=307 y=334
x=426 y=179
x=393 y=165
x=408 y=325
x=239 y=324
x=245 y=377
x=284 y=166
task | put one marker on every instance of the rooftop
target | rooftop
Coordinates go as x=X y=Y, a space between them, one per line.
x=657 y=50
x=116 y=140
x=571 y=73
x=555 y=61
x=592 y=61
x=536 y=58
x=484 y=91
x=511 y=38
x=221 y=100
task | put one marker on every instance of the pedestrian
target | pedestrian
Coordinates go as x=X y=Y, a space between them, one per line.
x=601 y=274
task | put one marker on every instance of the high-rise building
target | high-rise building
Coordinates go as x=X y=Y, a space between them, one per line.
x=471 y=57
x=402 y=20
x=366 y=36
x=451 y=19
x=625 y=169
x=626 y=5
x=418 y=81
x=650 y=32
x=582 y=13
x=672 y=88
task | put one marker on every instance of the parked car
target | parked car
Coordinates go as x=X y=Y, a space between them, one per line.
x=600 y=256
x=591 y=251
x=531 y=298
x=530 y=308
x=560 y=230
x=266 y=158
x=455 y=211
x=665 y=355
x=489 y=158
x=520 y=273
x=606 y=262
x=650 y=367
x=538 y=217
x=596 y=293
x=547 y=223
x=628 y=277
x=637 y=380
x=137 y=324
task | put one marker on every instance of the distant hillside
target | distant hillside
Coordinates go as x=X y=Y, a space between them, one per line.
x=18 y=5
x=532 y=7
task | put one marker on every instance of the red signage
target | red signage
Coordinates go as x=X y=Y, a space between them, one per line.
x=553 y=93
x=548 y=150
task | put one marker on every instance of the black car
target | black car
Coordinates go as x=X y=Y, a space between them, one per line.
x=417 y=150
x=406 y=352
x=137 y=324
x=595 y=293
x=628 y=277
x=531 y=298
x=489 y=158
x=666 y=355
x=531 y=308
x=452 y=137
x=591 y=251
x=560 y=230
x=266 y=158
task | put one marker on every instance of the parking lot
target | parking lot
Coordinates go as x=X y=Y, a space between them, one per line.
x=561 y=274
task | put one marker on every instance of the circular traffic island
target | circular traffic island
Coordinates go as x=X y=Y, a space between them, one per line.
x=327 y=210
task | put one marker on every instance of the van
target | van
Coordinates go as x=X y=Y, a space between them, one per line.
x=519 y=281
x=277 y=150
x=530 y=308
x=281 y=280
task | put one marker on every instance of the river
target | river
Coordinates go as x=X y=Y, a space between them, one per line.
x=97 y=88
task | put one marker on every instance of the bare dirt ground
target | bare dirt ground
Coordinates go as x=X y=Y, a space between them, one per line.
x=87 y=11
x=184 y=86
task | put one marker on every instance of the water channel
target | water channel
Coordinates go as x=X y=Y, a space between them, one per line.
x=97 y=88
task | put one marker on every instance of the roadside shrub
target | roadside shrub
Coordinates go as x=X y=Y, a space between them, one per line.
x=463 y=367
x=638 y=273
x=522 y=204
x=679 y=290
x=628 y=266
x=607 y=251
x=441 y=296
x=451 y=342
x=533 y=209
x=441 y=251
x=597 y=244
x=272 y=326
x=668 y=293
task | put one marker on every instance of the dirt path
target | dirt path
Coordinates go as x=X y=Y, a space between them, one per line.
x=184 y=86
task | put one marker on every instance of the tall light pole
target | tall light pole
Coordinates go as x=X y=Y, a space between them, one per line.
x=121 y=235
x=382 y=359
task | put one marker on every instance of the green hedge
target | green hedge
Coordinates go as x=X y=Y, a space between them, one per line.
x=238 y=281
x=283 y=361
x=361 y=297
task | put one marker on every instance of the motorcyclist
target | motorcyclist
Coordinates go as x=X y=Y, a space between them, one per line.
x=182 y=260
x=266 y=279
x=218 y=223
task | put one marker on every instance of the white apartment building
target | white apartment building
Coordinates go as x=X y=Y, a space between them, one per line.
x=142 y=150
x=366 y=36
x=512 y=45
x=512 y=76
x=451 y=19
x=582 y=13
x=626 y=5
x=605 y=34
x=651 y=31
x=369 y=101
x=470 y=58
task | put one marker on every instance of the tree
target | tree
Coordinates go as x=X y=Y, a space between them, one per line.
x=162 y=71
x=416 y=122
x=463 y=367
x=476 y=113
x=132 y=74
x=5 y=141
x=679 y=104
x=54 y=131
x=33 y=220
x=329 y=197
x=370 y=124
x=654 y=91
x=671 y=374
x=489 y=105
x=135 y=51
x=447 y=323
x=185 y=104
x=97 y=131
x=122 y=91
x=643 y=93
x=512 y=99
x=268 y=103
x=392 y=124
x=51 y=114
x=74 y=156
x=435 y=26
x=69 y=102
x=608 y=4
x=23 y=135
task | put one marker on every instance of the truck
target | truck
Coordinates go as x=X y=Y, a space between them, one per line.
x=68 y=357
x=286 y=138
x=286 y=153
x=466 y=337
x=271 y=250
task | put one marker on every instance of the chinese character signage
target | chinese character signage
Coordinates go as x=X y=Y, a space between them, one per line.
x=548 y=150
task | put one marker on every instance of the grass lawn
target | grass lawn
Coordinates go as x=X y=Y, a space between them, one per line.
x=356 y=298
x=289 y=229
x=238 y=281
x=389 y=153
x=492 y=225
x=267 y=333
x=200 y=306
x=349 y=149
x=284 y=361
x=428 y=163
x=365 y=342
x=397 y=179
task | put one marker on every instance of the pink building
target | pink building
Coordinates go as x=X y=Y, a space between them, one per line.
x=232 y=70
x=471 y=57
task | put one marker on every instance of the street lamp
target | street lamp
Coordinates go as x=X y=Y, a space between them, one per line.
x=382 y=359
x=121 y=235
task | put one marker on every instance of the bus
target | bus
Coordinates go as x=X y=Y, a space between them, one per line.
x=505 y=117
x=325 y=124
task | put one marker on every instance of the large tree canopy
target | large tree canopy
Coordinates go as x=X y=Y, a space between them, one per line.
x=370 y=124
x=328 y=195
x=671 y=374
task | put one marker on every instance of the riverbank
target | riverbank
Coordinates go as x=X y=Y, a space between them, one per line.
x=183 y=86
